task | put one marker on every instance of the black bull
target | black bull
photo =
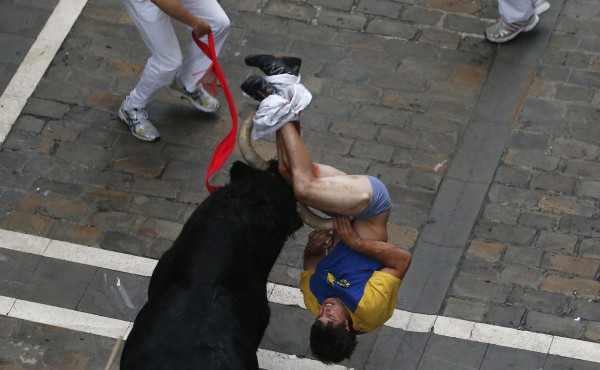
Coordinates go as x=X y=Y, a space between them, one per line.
x=207 y=306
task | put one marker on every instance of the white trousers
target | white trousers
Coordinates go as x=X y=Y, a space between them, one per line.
x=166 y=61
x=515 y=10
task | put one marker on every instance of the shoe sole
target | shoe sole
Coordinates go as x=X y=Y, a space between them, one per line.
x=200 y=107
x=124 y=120
x=501 y=40
x=542 y=8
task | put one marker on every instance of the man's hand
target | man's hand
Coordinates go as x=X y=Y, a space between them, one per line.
x=343 y=229
x=202 y=28
x=319 y=241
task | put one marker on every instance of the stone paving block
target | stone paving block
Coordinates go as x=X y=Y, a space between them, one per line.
x=503 y=358
x=505 y=314
x=288 y=330
x=58 y=283
x=522 y=276
x=511 y=195
x=29 y=124
x=157 y=207
x=491 y=252
x=584 y=288
x=477 y=269
x=584 y=169
x=123 y=243
x=584 y=267
x=155 y=228
x=585 y=78
x=452 y=353
x=576 y=149
x=342 y=20
x=540 y=301
x=579 y=225
x=533 y=160
x=554 y=182
x=513 y=234
x=62 y=209
x=486 y=291
x=452 y=6
x=464 y=309
x=590 y=248
x=592 y=333
x=17 y=270
x=552 y=324
x=75 y=233
x=502 y=213
x=114 y=294
x=574 y=93
x=27 y=223
x=18 y=180
x=51 y=347
x=587 y=309
x=556 y=242
x=10 y=160
x=561 y=363
x=45 y=108
x=345 y=5
x=29 y=143
x=16 y=47
x=386 y=27
x=396 y=349
x=568 y=205
x=385 y=8
x=295 y=10
x=421 y=15
x=111 y=220
x=460 y=23
x=512 y=176
x=364 y=348
x=427 y=180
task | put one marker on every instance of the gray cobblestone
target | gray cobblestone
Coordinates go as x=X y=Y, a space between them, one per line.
x=512 y=176
x=566 y=326
x=505 y=315
x=522 y=276
x=480 y=290
x=460 y=23
x=512 y=234
x=539 y=220
x=539 y=301
x=379 y=7
x=421 y=15
x=387 y=27
x=554 y=182
x=342 y=20
x=501 y=213
x=464 y=309
x=574 y=149
x=590 y=248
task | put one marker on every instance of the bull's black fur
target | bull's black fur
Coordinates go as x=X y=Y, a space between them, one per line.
x=207 y=306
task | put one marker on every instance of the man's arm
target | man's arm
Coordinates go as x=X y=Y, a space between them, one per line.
x=395 y=260
x=319 y=242
x=174 y=9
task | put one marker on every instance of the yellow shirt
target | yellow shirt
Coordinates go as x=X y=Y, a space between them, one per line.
x=375 y=307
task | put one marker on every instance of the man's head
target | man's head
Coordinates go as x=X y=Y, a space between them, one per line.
x=332 y=338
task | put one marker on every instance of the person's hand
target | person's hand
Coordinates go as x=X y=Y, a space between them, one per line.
x=343 y=229
x=318 y=241
x=201 y=28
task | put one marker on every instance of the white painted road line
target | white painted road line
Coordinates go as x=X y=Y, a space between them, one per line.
x=37 y=60
x=404 y=320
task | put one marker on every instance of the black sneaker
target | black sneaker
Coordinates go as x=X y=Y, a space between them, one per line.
x=272 y=65
x=257 y=87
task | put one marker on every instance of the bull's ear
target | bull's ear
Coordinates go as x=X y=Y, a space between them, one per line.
x=240 y=170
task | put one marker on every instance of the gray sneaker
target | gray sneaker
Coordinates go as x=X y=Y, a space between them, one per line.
x=200 y=98
x=503 y=32
x=540 y=6
x=138 y=123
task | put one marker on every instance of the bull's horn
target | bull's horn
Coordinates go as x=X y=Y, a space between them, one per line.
x=245 y=144
x=312 y=219
x=254 y=160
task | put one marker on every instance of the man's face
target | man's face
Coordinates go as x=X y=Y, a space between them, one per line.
x=333 y=312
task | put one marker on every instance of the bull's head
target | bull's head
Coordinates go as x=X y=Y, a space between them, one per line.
x=253 y=159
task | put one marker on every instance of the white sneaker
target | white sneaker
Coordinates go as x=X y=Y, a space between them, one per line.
x=503 y=32
x=200 y=98
x=138 y=123
x=540 y=6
